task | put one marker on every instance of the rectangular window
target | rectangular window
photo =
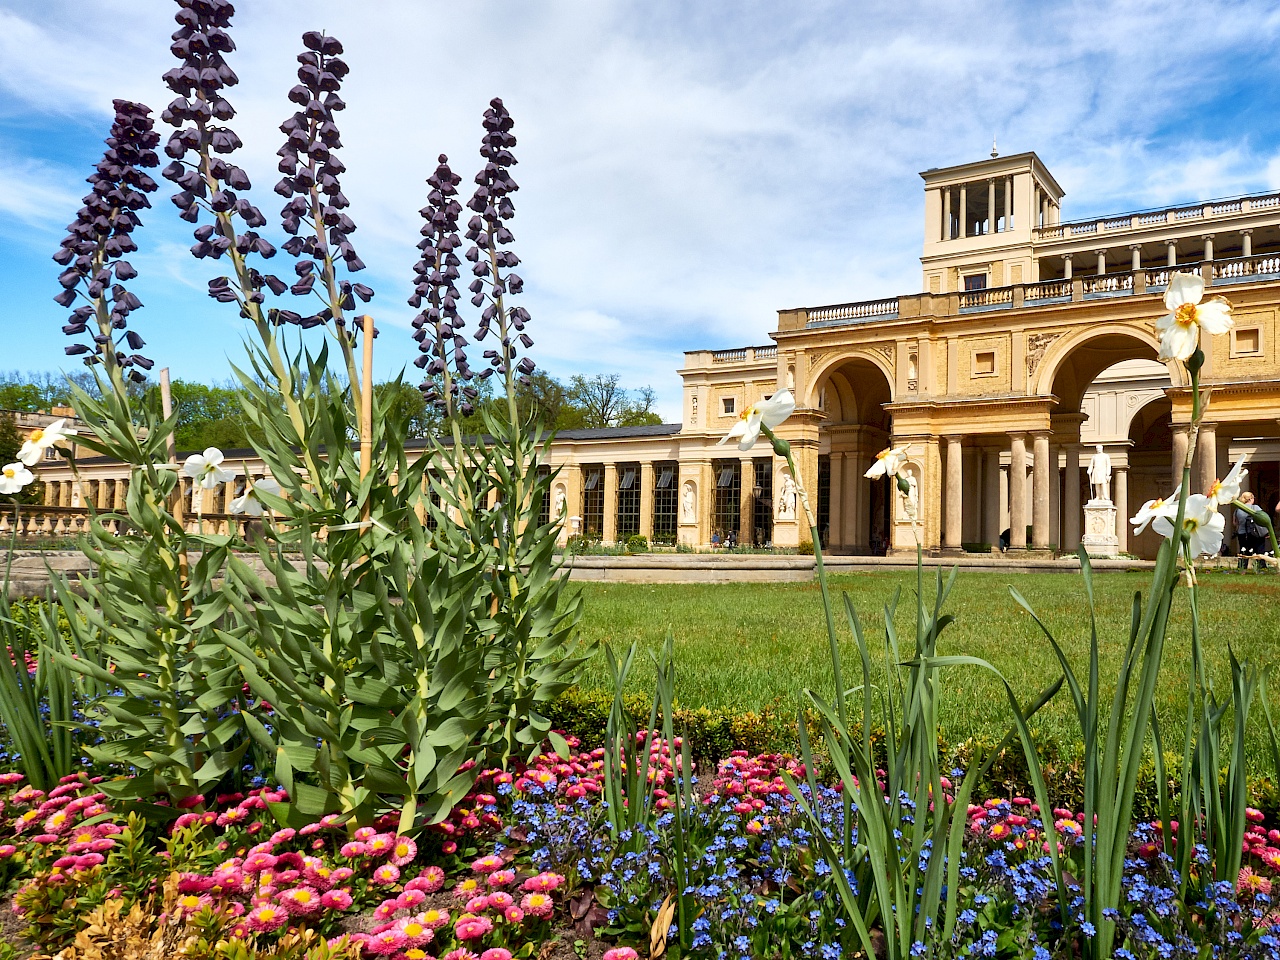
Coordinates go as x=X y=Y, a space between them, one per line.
x=727 y=511
x=1246 y=342
x=628 y=500
x=730 y=405
x=984 y=363
x=824 y=497
x=544 y=506
x=975 y=281
x=762 y=509
x=665 y=502
x=593 y=502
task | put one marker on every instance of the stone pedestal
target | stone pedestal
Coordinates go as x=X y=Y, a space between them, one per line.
x=1100 y=538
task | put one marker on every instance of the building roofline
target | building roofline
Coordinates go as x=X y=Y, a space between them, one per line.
x=977 y=166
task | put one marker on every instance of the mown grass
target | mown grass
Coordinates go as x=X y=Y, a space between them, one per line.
x=743 y=646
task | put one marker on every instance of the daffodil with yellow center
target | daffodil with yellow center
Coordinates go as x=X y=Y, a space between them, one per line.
x=1180 y=329
x=13 y=477
x=769 y=412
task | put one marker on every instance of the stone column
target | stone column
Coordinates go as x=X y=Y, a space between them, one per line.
x=946 y=213
x=1136 y=250
x=964 y=210
x=609 y=528
x=1055 y=497
x=1008 y=203
x=862 y=508
x=1180 y=440
x=1071 y=498
x=746 y=480
x=1173 y=253
x=991 y=528
x=1246 y=243
x=65 y=496
x=1120 y=494
x=955 y=492
x=1017 y=491
x=1040 y=494
x=646 y=498
x=852 y=502
x=1102 y=263
x=991 y=205
x=836 y=507
x=1066 y=266
x=1208 y=246
x=121 y=495
x=1206 y=456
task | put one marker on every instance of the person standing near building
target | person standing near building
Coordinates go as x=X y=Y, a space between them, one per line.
x=1247 y=530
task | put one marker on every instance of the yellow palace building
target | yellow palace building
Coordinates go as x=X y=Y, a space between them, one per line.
x=1031 y=342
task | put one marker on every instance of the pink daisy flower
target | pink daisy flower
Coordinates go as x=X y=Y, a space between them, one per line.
x=462 y=953
x=386 y=943
x=301 y=901
x=472 y=928
x=354 y=849
x=386 y=875
x=496 y=953
x=537 y=905
x=621 y=953
x=266 y=918
x=513 y=915
x=429 y=881
x=403 y=851
x=335 y=900
x=501 y=878
x=487 y=864
x=435 y=919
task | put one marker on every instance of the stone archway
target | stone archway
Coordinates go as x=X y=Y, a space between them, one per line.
x=852 y=392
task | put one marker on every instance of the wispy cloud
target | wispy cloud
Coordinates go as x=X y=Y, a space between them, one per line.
x=686 y=170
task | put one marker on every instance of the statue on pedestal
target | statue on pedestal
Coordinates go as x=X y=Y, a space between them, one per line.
x=688 y=505
x=1100 y=475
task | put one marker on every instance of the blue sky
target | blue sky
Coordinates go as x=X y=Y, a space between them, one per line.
x=686 y=169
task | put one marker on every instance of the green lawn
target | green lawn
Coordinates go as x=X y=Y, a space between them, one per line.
x=743 y=645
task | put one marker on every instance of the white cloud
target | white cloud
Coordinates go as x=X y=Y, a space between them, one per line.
x=688 y=170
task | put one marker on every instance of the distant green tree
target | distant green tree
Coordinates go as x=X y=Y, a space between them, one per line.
x=10 y=444
x=208 y=416
x=638 y=411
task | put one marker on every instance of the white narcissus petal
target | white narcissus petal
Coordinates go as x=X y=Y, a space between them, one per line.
x=777 y=408
x=1183 y=288
x=737 y=430
x=1228 y=488
x=212 y=455
x=1178 y=342
x=13 y=477
x=1215 y=316
x=193 y=466
x=750 y=434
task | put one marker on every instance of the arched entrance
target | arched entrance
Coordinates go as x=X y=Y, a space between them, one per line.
x=1110 y=390
x=853 y=512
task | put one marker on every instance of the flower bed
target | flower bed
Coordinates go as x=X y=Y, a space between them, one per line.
x=527 y=866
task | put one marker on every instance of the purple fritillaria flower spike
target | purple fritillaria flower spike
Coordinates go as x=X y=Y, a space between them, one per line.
x=311 y=186
x=488 y=231
x=208 y=180
x=99 y=239
x=438 y=328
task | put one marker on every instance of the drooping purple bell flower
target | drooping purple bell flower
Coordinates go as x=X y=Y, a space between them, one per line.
x=101 y=235
x=438 y=328
x=492 y=207
x=314 y=212
x=199 y=148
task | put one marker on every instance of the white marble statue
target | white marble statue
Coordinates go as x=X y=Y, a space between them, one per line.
x=911 y=499
x=689 y=503
x=561 y=503
x=1100 y=475
x=787 y=498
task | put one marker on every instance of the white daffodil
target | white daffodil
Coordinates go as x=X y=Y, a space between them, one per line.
x=1159 y=507
x=1228 y=488
x=769 y=413
x=206 y=468
x=1201 y=521
x=248 y=503
x=14 y=477
x=1180 y=329
x=889 y=463
x=41 y=439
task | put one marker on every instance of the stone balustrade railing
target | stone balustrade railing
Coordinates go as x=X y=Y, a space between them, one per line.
x=1229 y=271
x=38 y=522
x=854 y=312
x=1233 y=206
x=745 y=354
